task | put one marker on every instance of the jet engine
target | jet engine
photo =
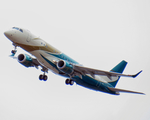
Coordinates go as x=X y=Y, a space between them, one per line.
x=65 y=67
x=25 y=60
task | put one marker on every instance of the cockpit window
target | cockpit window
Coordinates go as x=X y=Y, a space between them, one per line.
x=21 y=30
x=17 y=29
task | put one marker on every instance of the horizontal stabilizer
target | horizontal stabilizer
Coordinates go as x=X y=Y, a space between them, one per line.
x=121 y=90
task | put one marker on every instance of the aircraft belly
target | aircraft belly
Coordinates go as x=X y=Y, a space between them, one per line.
x=93 y=84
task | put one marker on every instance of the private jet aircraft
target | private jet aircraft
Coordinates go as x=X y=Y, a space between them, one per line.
x=50 y=58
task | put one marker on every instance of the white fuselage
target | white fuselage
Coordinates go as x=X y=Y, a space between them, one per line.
x=26 y=38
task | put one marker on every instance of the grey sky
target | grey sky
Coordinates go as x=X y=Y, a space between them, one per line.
x=97 y=34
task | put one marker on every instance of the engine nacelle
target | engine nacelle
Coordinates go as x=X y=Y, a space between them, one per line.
x=65 y=67
x=25 y=60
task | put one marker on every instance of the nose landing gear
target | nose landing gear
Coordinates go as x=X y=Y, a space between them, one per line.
x=13 y=52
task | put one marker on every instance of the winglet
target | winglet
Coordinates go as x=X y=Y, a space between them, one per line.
x=136 y=74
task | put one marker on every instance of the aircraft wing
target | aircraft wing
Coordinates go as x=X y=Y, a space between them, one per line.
x=84 y=70
x=121 y=90
x=36 y=63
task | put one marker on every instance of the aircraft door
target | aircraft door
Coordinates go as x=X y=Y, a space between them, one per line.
x=28 y=37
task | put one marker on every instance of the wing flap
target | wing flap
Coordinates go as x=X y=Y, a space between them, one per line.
x=121 y=90
x=36 y=63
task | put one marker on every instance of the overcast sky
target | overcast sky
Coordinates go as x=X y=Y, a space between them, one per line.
x=97 y=34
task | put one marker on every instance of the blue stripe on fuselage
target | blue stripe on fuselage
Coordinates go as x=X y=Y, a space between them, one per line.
x=63 y=57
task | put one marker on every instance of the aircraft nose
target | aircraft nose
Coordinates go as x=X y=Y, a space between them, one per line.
x=8 y=33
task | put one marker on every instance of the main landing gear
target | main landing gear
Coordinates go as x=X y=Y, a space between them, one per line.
x=43 y=77
x=69 y=82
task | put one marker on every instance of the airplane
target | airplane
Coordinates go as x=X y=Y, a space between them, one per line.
x=50 y=58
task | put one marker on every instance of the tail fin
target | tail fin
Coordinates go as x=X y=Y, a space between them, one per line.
x=119 y=69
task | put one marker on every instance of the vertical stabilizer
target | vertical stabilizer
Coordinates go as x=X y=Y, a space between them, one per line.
x=119 y=69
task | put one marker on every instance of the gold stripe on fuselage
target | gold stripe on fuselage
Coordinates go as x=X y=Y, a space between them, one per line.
x=47 y=48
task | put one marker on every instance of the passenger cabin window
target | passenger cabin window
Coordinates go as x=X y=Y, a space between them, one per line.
x=18 y=29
